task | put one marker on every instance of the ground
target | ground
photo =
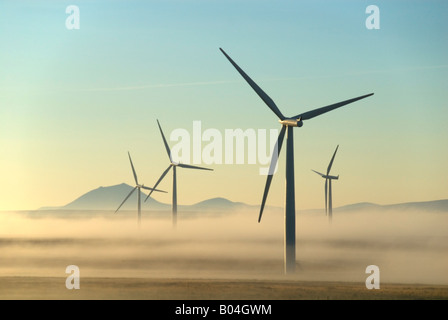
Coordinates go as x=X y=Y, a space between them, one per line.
x=43 y=288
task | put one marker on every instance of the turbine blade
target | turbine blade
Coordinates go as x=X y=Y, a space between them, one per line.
x=326 y=187
x=152 y=189
x=133 y=170
x=321 y=174
x=269 y=102
x=278 y=147
x=331 y=162
x=132 y=191
x=192 y=167
x=317 y=112
x=164 y=141
x=158 y=181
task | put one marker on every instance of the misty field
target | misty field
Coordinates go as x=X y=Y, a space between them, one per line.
x=222 y=256
x=209 y=289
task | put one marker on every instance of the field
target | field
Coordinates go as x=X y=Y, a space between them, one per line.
x=43 y=288
x=224 y=258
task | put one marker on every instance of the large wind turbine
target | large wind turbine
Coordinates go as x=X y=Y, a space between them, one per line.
x=328 y=179
x=288 y=123
x=173 y=165
x=137 y=186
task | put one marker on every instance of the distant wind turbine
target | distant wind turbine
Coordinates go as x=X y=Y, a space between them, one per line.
x=287 y=124
x=137 y=186
x=173 y=165
x=328 y=179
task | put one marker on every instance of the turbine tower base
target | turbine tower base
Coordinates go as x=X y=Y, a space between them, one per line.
x=290 y=207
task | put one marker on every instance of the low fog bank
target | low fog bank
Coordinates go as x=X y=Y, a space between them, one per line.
x=408 y=247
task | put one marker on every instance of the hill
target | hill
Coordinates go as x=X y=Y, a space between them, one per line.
x=109 y=198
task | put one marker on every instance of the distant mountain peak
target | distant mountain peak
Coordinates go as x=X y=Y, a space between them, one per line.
x=109 y=198
x=215 y=201
x=219 y=204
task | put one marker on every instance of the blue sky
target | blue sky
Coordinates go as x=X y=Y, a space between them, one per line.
x=73 y=102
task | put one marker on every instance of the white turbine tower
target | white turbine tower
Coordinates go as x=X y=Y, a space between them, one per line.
x=173 y=165
x=287 y=125
x=137 y=186
x=328 y=179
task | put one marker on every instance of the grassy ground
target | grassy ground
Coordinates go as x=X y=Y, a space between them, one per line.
x=41 y=288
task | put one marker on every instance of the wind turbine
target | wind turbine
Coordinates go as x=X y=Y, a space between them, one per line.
x=137 y=186
x=173 y=165
x=328 y=179
x=288 y=123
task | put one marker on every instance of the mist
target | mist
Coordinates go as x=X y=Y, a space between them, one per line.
x=407 y=246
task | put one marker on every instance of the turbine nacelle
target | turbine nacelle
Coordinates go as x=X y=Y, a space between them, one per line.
x=326 y=176
x=291 y=122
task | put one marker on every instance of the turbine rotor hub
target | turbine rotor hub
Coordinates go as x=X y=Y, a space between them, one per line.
x=291 y=122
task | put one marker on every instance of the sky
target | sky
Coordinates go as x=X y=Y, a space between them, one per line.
x=73 y=102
